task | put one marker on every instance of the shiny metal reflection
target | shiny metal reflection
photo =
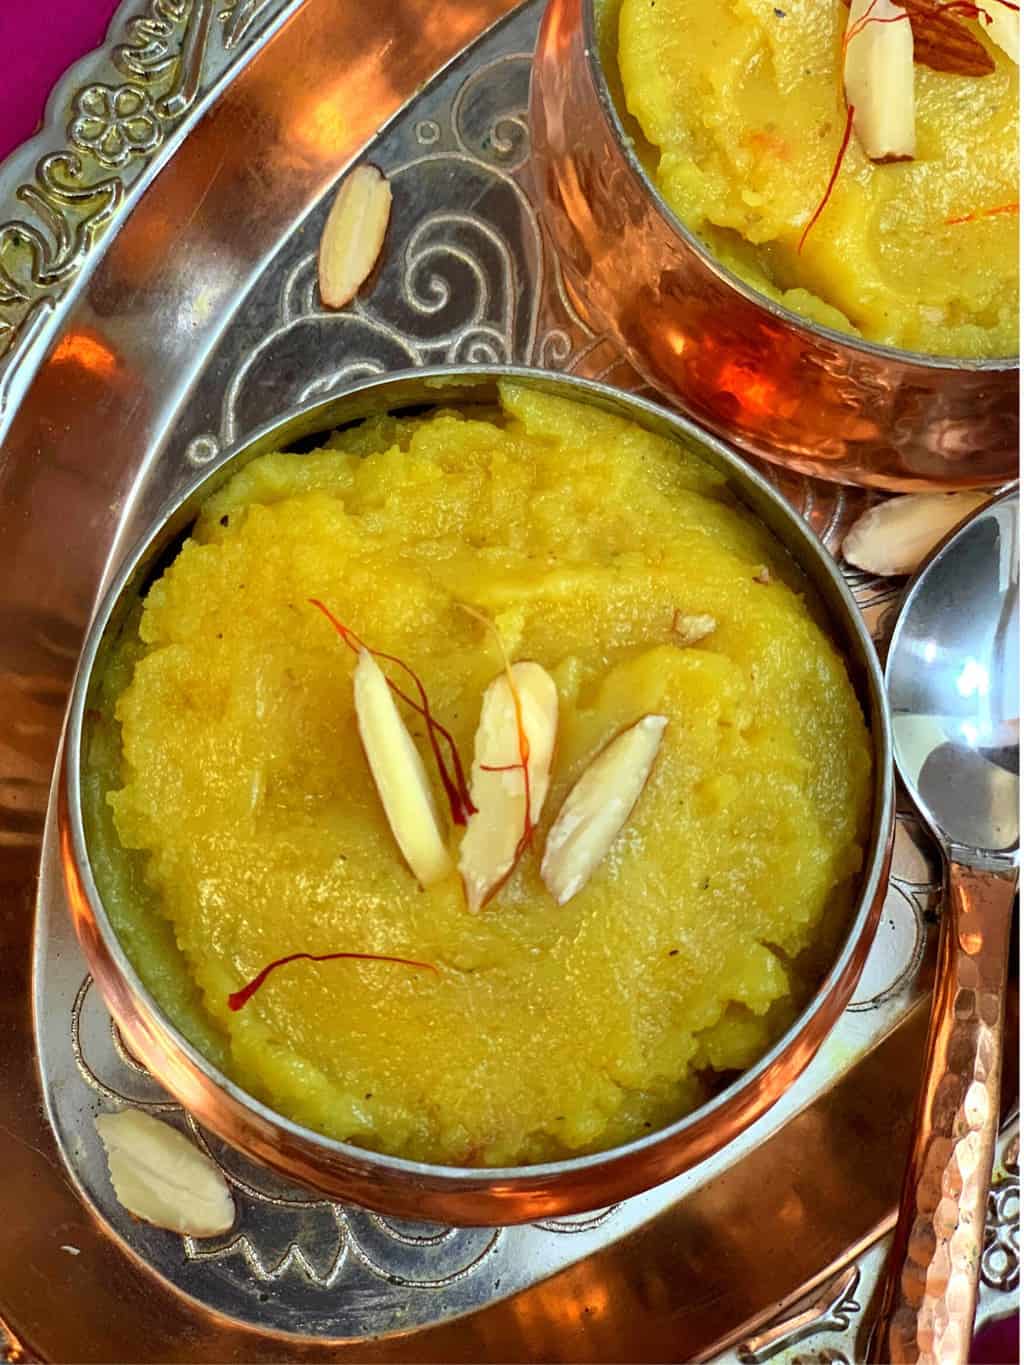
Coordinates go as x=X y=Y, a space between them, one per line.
x=462 y=1195
x=954 y=684
x=953 y=677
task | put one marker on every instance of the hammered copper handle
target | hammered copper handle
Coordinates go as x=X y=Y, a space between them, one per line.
x=931 y=1288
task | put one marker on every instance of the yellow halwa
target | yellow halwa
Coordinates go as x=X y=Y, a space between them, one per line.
x=742 y=105
x=247 y=826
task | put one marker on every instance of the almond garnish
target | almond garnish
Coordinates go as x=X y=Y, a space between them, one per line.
x=162 y=1178
x=763 y=574
x=689 y=630
x=511 y=724
x=943 y=43
x=353 y=235
x=896 y=536
x=598 y=806
x=1002 y=24
x=878 y=75
x=399 y=775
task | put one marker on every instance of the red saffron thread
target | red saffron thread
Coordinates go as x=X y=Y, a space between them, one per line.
x=983 y=213
x=524 y=762
x=241 y=997
x=852 y=32
x=456 y=789
x=868 y=18
x=964 y=8
x=831 y=181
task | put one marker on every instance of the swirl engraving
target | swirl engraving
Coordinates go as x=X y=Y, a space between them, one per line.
x=151 y=50
x=118 y=1078
x=238 y=17
x=832 y=1309
x=458 y=271
x=555 y=351
x=70 y=214
x=493 y=132
x=913 y=896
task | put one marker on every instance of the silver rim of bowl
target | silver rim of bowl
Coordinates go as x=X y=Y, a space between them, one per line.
x=436 y=377
x=777 y=310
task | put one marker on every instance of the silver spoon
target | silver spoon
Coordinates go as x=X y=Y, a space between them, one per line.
x=953 y=677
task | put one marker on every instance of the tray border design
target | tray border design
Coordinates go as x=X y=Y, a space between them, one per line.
x=110 y=122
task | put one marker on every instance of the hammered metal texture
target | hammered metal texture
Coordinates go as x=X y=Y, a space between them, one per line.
x=928 y=1311
x=467 y=275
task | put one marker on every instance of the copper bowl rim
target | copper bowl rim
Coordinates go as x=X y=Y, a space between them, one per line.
x=877 y=351
x=179 y=513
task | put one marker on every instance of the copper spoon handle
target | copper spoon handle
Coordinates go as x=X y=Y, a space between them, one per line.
x=931 y=1288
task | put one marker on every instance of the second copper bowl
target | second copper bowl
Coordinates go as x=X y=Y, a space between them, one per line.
x=774 y=384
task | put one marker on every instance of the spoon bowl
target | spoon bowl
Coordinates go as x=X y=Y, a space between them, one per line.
x=953 y=679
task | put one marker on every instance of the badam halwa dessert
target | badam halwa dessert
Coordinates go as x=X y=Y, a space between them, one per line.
x=541 y=594
x=857 y=163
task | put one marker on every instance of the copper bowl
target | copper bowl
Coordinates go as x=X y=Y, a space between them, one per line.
x=772 y=383
x=408 y=1188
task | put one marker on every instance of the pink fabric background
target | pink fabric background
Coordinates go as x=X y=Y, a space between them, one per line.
x=39 y=41
x=38 y=47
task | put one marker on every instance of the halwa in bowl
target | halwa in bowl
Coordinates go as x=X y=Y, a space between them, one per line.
x=862 y=329
x=220 y=814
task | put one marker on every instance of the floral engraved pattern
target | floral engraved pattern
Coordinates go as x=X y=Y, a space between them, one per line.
x=1000 y=1260
x=53 y=220
x=115 y=124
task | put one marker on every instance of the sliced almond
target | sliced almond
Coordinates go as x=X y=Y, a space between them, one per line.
x=896 y=536
x=878 y=74
x=495 y=833
x=943 y=42
x=690 y=630
x=399 y=774
x=353 y=235
x=162 y=1178
x=598 y=806
x=1003 y=26
x=763 y=574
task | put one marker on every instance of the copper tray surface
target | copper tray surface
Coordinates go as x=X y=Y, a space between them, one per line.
x=157 y=300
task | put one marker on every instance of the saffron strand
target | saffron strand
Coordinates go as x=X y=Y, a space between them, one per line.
x=983 y=213
x=237 y=999
x=456 y=788
x=832 y=179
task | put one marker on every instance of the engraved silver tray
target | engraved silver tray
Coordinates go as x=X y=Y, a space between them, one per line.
x=157 y=301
